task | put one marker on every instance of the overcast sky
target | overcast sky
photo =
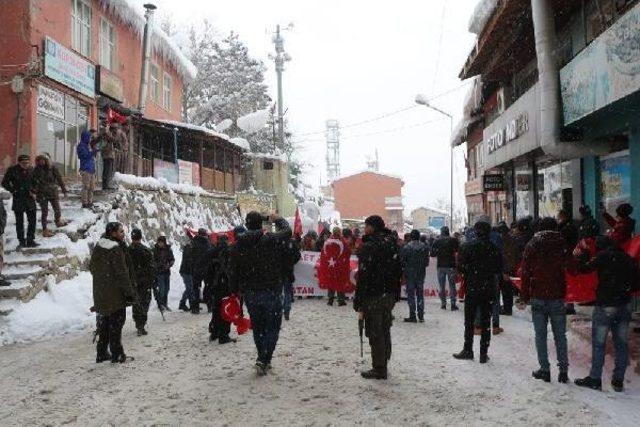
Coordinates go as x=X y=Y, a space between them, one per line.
x=353 y=60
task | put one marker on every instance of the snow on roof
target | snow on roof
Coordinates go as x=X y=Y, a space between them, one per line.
x=150 y=183
x=481 y=15
x=238 y=142
x=130 y=13
x=439 y=211
x=269 y=156
x=253 y=122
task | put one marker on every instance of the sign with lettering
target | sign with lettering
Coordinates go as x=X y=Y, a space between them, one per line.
x=109 y=84
x=69 y=68
x=493 y=183
x=512 y=131
x=50 y=102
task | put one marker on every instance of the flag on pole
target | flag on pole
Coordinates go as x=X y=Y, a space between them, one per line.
x=297 y=224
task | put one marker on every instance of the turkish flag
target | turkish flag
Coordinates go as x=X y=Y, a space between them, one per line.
x=297 y=224
x=334 y=267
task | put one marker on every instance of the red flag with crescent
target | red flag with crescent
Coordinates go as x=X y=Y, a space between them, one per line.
x=334 y=266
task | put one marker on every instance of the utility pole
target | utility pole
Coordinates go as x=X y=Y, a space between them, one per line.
x=280 y=58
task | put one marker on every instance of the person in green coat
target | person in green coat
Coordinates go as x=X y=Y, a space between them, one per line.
x=144 y=272
x=113 y=291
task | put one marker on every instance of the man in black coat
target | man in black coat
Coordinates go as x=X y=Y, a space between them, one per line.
x=218 y=275
x=199 y=257
x=479 y=263
x=18 y=180
x=444 y=249
x=291 y=256
x=415 y=260
x=255 y=270
x=144 y=271
x=186 y=272
x=164 y=260
x=379 y=276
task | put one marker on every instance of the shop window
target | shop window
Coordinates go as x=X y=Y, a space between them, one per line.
x=524 y=191
x=615 y=180
x=167 y=85
x=81 y=27
x=554 y=187
x=107 y=45
x=154 y=83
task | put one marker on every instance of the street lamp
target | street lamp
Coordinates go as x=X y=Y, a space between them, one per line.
x=423 y=100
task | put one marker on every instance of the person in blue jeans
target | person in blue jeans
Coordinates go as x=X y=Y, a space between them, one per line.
x=414 y=257
x=444 y=249
x=186 y=271
x=164 y=260
x=545 y=259
x=617 y=280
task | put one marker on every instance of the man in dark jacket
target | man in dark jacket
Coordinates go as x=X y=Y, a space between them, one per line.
x=186 y=272
x=379 y=276
x=255 y=269
x=511 y=256
x=164 y=260
x=47 y=179
x=414 y=256
x=479 y=264
x=18 y=180
x=444 y=249
x=617 y=279
x=200 y=259
x=144 y=271
x=546 y=257
x=113 y=291
x=218 y=275
x=622 y=226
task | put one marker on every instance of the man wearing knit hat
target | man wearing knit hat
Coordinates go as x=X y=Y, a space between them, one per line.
x=18 y=180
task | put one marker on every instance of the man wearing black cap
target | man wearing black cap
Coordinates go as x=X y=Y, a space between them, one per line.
x=479 y=263
x=379 y=275
x=18 y=180
x=144 y=271
x=255 y=262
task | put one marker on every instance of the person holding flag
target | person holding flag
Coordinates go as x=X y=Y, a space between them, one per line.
x=334 y=268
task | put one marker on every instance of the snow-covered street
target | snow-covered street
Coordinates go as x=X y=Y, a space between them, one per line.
x=179 y=378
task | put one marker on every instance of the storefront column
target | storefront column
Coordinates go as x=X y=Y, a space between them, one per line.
x=634 y=154
x=591 y=181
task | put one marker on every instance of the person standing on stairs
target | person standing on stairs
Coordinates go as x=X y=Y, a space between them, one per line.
x=3 y=224
x=164 y=260
x=46 y=180
x=87 y=152
x=144 y=271
x=18 y=180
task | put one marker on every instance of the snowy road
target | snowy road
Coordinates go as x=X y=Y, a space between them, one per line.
x=179 y=378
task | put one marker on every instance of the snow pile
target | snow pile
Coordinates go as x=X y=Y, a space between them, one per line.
x=155 y=184
x=130 y=13
x=254 y=122
x=236 y=141
x=481 y=15
x=242 y=143
x=278 y=156
x=224 y=125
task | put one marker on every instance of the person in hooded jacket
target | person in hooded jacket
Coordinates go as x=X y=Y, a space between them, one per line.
x=617 y=280
x=199 y=256
x=379 y=277
x=87 y=152
x=113 y=291
x=444 y=249
x=414 y=257
x=164 y=260
x=622 y=226
x=144 y=271
x=255 y=271
x=545 y=260
x=47 y=179
x=18 y=180
x=480 y=264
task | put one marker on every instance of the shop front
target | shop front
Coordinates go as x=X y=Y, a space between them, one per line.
x=475 y=200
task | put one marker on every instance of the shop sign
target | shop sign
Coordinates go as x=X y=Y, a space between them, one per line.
x=185 y=172
x=69 y=68
x=473 y=187
x=512 y=131
x=109 y=84
x=50 y=102
x=493 y=183
x=165 y=170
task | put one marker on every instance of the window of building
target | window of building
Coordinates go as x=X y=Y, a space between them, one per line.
x=107 y=45
x=524 y=197
x=81 y=27
x=154 y=83
x=166 y=91
x=554 y=188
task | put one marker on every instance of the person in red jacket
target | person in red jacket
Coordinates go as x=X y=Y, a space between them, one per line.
x=544 y=262
x=623 y=226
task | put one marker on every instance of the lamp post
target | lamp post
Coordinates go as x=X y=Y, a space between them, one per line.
x=423 y=100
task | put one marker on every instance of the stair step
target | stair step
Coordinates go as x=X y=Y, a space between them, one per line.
x=20 y=259
x=18 y=289
x=21 y=272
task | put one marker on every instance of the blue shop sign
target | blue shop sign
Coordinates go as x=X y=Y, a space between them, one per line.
x=69 y=68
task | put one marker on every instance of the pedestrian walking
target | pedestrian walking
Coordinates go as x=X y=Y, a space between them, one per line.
x=46 y=180
x=164 y=260
x=87 y=151
x=113 y=291
x=18 y=180
x=144 y=271
x=379 y=276
x=546 y=257
x=3 y=224
x=480 y=265
x=444 y=249
x=511 y=257
x=622 y=226
x=414 y=257
x=255 y=262
x=186 y=272
x=199 y=256
x=617 y=280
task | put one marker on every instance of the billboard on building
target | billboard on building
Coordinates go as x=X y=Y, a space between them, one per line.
x=69 y=68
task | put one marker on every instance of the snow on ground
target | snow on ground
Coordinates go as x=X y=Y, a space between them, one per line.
x=179 y=378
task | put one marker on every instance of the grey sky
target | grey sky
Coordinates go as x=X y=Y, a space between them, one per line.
x=354 y=60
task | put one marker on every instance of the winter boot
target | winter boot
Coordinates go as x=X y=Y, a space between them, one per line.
x=286 y=316
x=374 y=374
x=542 y=375
x=484 y=358
x=142 y=331
x=421 y=318
x=497 y=330
x=121 y=358
x=103 y=357
x=617 y=384
x=226 y=340
x=61 y=223
x=195 y=309
x=411 y=319
x=454 y=308
x=330 y=302
x=261 y=369
x=342 y=303
x=183 y=306
x=589 y=382
x=443 y=307
x=47 y=233
x=464 y=355
x=563 y=377
x=32 y=244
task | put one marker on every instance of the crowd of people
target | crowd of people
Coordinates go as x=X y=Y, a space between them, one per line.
x=258 y=266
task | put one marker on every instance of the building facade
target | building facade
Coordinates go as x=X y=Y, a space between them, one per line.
x=556 y=125
x=429 y=219
x=65 y=61
x=370 y=193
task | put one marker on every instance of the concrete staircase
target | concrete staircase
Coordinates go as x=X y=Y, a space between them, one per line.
x=30 y=270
